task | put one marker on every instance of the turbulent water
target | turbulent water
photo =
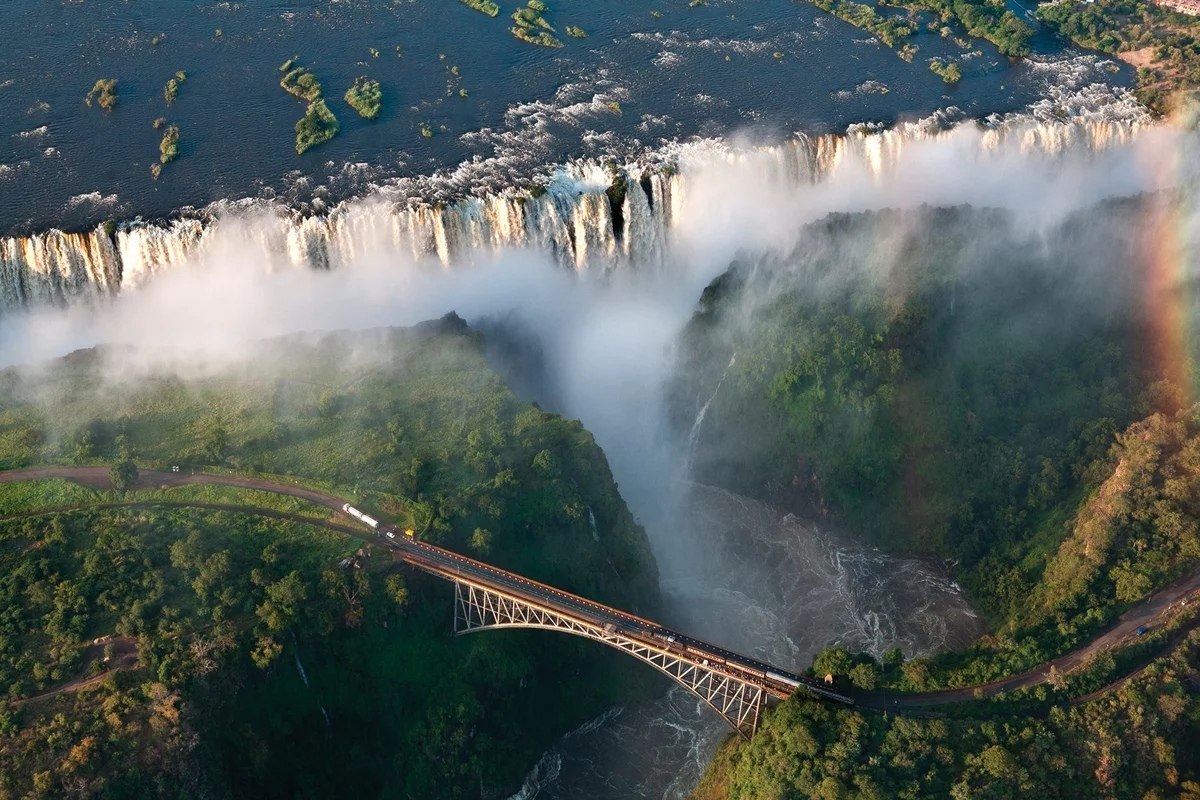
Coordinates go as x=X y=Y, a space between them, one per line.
x=601 y=281
x=644 y=74
x=577 y=221
x=766 y=584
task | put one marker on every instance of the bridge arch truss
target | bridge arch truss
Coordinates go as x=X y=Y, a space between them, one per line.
x=738 y=701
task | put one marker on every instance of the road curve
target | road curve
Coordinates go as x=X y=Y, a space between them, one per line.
x=1151 y=612
x=99 y=478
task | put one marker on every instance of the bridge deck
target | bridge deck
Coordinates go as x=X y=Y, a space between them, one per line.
x=454 y=566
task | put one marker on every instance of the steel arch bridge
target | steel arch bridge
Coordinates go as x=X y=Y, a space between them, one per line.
x=488 y=597
x=738 y=701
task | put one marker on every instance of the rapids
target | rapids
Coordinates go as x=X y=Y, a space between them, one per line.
x=579 y=220
x=604 y=268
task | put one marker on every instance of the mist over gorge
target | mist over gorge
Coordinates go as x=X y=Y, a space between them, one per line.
x=592 y=291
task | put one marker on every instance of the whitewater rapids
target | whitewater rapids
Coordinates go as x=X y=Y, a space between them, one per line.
x=577 y=219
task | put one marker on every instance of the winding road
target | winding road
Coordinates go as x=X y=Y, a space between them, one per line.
x=1152 y=612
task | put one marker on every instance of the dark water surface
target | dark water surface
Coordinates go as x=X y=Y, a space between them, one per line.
x=774 y=65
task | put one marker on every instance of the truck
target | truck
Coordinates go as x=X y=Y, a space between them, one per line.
x=365 y=519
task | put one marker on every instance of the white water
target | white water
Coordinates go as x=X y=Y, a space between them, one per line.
x=694 y=434
x=304 y=677
x=572 y=222
x=769 y=585
x=607 y=304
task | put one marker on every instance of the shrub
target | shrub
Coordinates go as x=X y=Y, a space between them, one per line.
x=317 y=125
x=302 y=83
x=486 y=6
x=123 y=474
x=104 y=92
x=540 y=38
x=168 y=148
x=577 y=32
x=365 y=97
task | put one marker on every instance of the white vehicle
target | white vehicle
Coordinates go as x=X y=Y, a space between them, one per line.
x=360 y=516
x=782 y=679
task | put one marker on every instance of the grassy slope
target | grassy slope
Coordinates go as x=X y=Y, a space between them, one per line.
x=411 y=424
x=1132 y=743
x=973 y=413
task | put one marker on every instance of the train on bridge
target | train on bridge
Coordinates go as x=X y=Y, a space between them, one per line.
x=607 y=623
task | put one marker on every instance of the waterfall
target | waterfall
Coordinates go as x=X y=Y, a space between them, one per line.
x=572 y=219
x=694 y=435
x=304 y=677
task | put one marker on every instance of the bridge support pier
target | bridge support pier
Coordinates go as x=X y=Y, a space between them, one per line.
x=738 y=699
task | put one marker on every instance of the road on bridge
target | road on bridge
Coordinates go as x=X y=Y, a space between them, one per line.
x=1150 y=612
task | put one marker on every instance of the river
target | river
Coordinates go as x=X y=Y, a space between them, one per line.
x=764 y=583
x=241 y=239
x=657 y=72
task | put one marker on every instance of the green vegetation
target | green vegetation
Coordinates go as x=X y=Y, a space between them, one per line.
x=124 y=474
x=222 y=608
x=950 y=73
x=1131 y=743
x=935 y=395
x=301 y=83
x=168 y=148
x=577 y=32
x=316 y=126
x=987 y=19
x=365 y=97
x=532 y=28
x=486 y=6
x=1163 y=44
x=319 y=125
x=171 y=90
x=104 y=92
x=890 y=30
x=894 y=404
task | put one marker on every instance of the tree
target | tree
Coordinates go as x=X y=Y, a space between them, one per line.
x=212 y=439
x=123 y=474
x=865 y=676
x=543 y=464
x=397 y=590
x=265 y=651
x=833 y=661
x=481 y=541
x=85 y=446
x=284 y=600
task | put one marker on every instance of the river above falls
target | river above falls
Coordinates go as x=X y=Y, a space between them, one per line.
x=466 y=106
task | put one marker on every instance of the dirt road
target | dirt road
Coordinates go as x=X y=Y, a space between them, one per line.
x=1151 y=613
x=98 y=478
